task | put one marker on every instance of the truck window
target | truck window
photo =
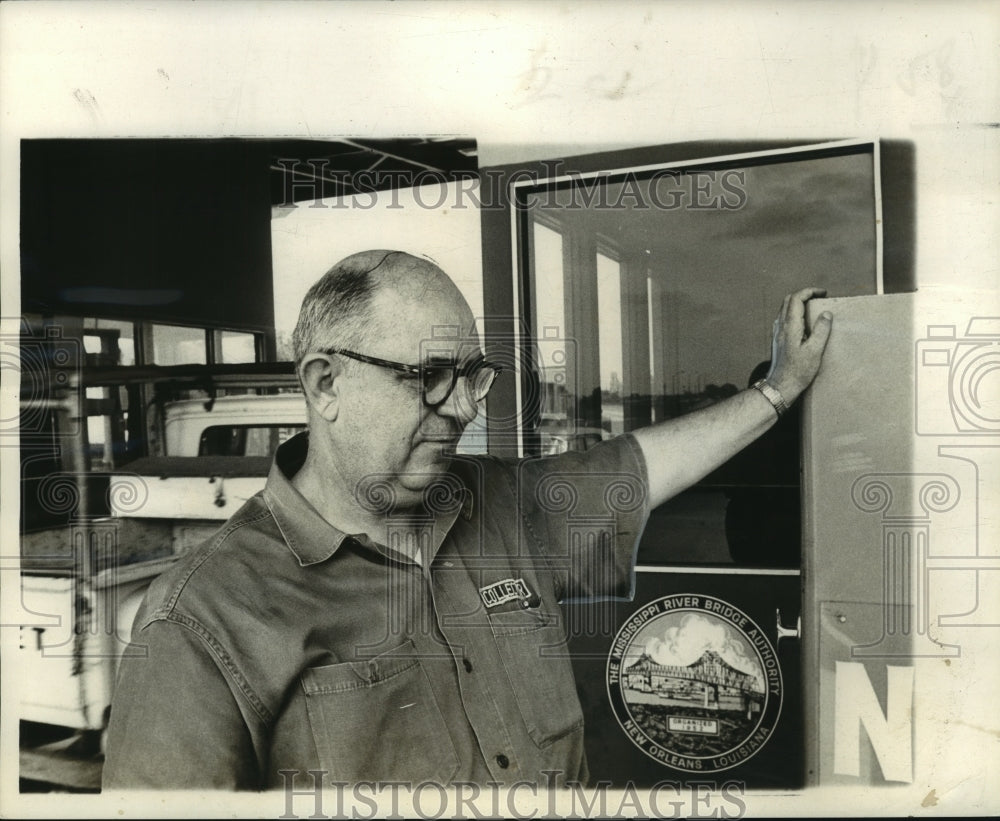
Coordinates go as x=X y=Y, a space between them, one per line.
x=244 y=440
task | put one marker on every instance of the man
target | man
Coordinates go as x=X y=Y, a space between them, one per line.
x=387 y=611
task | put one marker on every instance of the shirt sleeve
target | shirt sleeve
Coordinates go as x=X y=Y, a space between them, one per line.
x=175 y=721
x=586 y=512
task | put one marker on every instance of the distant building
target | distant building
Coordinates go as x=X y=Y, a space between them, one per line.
x=615 y=384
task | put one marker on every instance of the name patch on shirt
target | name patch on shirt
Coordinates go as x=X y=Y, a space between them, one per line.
x=504 y=591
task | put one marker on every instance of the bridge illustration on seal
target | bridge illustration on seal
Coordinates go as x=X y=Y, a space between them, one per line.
x=709 y=682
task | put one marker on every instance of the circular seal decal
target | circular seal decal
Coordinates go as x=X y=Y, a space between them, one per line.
x=694 y=683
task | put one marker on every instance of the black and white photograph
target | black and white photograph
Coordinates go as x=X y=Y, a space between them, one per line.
x=471 y=410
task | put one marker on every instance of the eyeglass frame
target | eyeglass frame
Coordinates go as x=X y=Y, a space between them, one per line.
x=419 y=371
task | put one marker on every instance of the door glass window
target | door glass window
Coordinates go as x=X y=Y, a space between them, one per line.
x=660 y=286
x=237 y=347
x=179 y=345
x=108 y=341
x=609 y=337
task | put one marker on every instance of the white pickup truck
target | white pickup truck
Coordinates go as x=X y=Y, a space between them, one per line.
x=82 y=579
x=215 y=459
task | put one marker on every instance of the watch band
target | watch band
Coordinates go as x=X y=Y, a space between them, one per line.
x=772 y=395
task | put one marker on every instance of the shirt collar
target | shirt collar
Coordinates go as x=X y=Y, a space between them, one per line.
x=311 y=537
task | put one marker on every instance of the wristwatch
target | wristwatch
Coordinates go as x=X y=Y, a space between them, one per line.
x=772 y=395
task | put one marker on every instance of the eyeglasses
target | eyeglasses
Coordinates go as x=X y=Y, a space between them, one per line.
x=437 y=381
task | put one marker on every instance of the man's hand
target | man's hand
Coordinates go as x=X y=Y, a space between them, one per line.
x=681 y=451
x=796 y=354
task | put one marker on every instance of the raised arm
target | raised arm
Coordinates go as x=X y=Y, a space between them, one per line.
x=681 y=451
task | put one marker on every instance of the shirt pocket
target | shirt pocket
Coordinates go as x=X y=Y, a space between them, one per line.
x=378 y=720
x=535 y=655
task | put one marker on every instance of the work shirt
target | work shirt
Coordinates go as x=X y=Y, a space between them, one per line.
x=284 y=644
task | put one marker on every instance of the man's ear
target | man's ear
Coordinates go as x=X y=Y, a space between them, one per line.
x=319 y=374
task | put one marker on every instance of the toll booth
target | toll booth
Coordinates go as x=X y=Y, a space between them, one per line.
x=780 y=605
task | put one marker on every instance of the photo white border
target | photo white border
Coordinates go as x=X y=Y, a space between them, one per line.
x=551 y=79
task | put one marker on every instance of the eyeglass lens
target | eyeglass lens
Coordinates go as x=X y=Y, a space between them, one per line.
x=439 y=382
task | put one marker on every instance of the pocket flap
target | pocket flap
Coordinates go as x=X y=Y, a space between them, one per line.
x=353 y=675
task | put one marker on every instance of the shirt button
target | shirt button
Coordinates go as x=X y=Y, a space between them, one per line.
x=503 y=761
x=468 y=665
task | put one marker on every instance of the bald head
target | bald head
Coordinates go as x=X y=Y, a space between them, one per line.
x=339 y=310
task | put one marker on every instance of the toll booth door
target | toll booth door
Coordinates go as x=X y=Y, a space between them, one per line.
x=649 y=292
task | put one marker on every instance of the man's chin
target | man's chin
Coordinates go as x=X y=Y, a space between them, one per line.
x=418 y=480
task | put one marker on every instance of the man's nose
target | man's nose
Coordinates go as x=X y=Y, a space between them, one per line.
x=460 y=405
